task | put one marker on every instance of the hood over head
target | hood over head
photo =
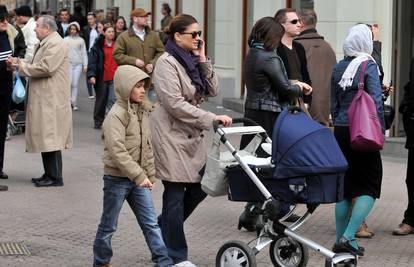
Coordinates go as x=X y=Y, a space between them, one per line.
x=126 y=77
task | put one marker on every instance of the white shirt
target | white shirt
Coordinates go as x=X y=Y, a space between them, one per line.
x=64 y=27
x=141 y=35
x=92 y=37
x=30 y=38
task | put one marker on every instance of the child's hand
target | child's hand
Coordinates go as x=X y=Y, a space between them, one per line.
x=146 y=184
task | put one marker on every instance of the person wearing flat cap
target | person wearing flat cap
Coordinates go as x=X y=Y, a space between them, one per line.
x=139 y=46
x=26 y=22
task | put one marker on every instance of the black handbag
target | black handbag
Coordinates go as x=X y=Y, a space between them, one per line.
x=389 y=114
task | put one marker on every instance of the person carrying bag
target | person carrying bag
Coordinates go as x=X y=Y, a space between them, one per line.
x=364 y=122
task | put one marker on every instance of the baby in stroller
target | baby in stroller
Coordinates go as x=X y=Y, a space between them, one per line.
x=306 y=166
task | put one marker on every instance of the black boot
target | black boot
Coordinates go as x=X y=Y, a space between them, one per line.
x=49 y=181
x=249 y=219
x=41 y=178
x=3 y=175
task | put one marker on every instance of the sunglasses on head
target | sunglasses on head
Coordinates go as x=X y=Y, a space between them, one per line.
x=193 y=34
x=294 y=21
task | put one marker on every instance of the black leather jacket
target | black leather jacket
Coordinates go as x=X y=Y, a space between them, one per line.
x=268 y=87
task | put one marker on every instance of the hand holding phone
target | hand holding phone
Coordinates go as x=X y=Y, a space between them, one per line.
x=200 y=51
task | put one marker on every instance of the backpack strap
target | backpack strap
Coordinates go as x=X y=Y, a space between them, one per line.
x=361 y=83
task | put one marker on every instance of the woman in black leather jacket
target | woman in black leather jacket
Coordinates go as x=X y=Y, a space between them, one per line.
x=268 y=87
x=268 y=91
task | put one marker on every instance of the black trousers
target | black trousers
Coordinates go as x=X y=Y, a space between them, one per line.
x=6 y=88
x=101 y=92
x=409 y=213
x=52 y=164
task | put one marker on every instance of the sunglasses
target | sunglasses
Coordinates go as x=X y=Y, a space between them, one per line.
x=294 y=21
x=193 y=34
x=3 y=19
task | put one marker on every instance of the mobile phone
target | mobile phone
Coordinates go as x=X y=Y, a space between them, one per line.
x=200 y=44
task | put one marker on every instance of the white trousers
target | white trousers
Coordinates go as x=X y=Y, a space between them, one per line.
x=75 y=73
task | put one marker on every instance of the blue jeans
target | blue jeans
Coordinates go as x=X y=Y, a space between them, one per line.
x=178 y=202
x=116 y=190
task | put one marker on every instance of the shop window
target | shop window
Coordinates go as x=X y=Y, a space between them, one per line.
x=303 y=4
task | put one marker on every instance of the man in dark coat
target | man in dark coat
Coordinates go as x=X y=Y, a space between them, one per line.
x=321 y=59
x=63 y=23
x=407 y=110
x=90 y=34
x=11 y=44
x=292 y=53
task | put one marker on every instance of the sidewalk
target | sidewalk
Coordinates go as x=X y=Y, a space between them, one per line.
x=59 y=224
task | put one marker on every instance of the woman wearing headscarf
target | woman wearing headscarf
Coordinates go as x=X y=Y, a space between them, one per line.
x=183 y=76
x=364 y=175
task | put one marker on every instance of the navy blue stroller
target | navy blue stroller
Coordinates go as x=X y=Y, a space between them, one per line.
x=305 y=165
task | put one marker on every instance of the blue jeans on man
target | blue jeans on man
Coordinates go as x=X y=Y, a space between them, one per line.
x=116 y=190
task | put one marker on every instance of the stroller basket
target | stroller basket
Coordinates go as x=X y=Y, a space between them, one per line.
x=311 y=189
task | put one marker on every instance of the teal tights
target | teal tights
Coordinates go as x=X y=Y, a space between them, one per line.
x=347 y=220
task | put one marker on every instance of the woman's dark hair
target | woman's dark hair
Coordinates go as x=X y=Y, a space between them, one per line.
x=179 y=24
x=123 y=19
x=167 y=8
x=70 y=27
x=268 y=32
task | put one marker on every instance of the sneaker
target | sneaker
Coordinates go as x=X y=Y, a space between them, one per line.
x=5 y=188
x=75 y=108
x=185 y=264
x=91 y=97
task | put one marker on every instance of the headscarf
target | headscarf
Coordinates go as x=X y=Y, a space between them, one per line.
x=357 y=44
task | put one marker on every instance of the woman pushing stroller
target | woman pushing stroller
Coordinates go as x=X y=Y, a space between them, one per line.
x=268 y=90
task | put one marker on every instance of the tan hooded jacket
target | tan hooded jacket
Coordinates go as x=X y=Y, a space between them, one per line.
x=126 y=131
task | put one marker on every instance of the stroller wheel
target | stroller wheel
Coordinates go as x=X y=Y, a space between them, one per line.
x=286 y=252
x=235 y=254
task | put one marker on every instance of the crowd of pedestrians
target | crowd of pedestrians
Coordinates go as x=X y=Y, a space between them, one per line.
x=288 y=63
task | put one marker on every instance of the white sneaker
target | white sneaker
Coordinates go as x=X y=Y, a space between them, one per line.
x=91 y=97
x=185 y=264
x=75 y=108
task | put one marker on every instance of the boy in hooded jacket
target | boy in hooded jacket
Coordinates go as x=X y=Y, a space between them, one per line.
x=129 y=171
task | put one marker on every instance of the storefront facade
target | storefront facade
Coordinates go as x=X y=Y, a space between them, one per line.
x=227 y=23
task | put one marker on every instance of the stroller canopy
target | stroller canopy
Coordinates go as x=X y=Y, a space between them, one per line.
x=301 y=146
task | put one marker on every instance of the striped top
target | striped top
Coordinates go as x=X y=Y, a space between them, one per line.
x=5 y=52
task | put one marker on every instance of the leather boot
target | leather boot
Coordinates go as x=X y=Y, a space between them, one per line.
x=49 y=181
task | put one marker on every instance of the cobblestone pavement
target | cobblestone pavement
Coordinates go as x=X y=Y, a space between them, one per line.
x=58 y=224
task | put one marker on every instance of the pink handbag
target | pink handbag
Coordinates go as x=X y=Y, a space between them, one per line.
x=364 y=123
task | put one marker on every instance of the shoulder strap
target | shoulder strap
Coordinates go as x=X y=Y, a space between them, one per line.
x=361 y=83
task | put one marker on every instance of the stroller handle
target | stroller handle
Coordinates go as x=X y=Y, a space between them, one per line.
x=245 y=121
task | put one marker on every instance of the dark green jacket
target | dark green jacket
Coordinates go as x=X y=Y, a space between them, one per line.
x=129 y=47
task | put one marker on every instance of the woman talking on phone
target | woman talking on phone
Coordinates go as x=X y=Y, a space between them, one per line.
x=183 y=76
